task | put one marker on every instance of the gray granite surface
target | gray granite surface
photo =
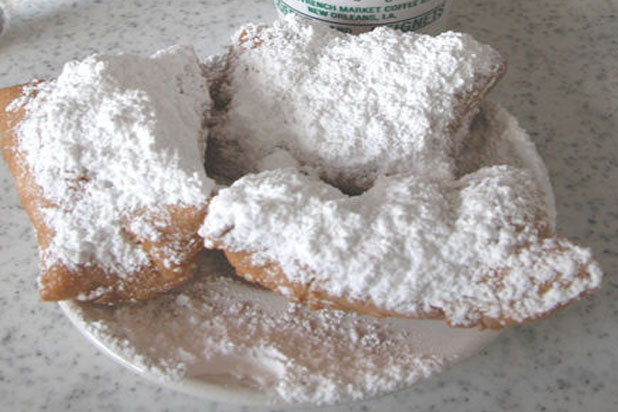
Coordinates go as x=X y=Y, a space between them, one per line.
x=562 y=83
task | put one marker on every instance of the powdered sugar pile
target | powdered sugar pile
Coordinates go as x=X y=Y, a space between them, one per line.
x=353 y=106
x=473 y=248
x=112 y=136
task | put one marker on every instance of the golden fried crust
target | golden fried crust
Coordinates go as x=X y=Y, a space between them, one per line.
x=470 y=102
x=271 y=276
x=174 y=258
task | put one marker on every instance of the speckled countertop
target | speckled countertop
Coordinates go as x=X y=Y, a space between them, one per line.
x=562 y=84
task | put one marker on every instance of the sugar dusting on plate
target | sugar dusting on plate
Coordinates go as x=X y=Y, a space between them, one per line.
x=219 y=330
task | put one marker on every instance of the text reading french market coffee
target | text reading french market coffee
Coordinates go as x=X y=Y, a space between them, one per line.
x=355 y=16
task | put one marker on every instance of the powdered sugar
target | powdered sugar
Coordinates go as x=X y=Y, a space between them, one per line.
x=220 y=331
x=112 y=137
x=472 y=247
x=495 y=138
x=353 y=106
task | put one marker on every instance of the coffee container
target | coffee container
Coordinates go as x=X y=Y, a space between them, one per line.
x=357 y=16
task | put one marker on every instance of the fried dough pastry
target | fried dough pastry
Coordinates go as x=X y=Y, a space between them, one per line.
x=475 y=250
x=108 y=163
x=353 y=107
x=448 y=222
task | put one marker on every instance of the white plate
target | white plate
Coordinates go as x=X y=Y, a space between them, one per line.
x=224 y=339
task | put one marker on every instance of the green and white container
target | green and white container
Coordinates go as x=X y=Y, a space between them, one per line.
x=357 y=16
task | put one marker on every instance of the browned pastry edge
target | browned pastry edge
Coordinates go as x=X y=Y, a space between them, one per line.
x=91 y=282
x=271 y=276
